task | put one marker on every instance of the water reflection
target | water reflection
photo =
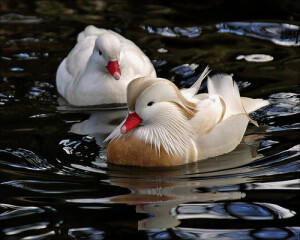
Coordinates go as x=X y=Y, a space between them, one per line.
x=100 y=123
x=171 y=195
x=159 y=192
x=255 y=58
x=278 y=33
x=224 y=234
x=190 y=32
x=12 y=18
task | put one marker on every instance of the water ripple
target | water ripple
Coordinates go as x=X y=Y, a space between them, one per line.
x=11 y=211
x=278 y=33
x=240 y=210
x=284 y=104
x=12 y=18
x=185 y=70
x=190 y=32
x=47 y=187
x=22 y=158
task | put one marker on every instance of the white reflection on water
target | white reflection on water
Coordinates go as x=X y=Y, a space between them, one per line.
x=190 y=32
x=23 y=228
x=278 y=33
x=256 y=58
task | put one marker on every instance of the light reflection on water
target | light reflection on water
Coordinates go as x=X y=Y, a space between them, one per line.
x=281 y=34
x=55 y=179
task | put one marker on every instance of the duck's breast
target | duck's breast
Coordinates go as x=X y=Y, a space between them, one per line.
x=130 y=150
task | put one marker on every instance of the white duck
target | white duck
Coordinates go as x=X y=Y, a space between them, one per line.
x=99 y=68
x=166 y=126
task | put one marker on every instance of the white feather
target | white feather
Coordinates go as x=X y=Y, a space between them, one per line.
x=169 y=130
x=252 y=105
x=189 y=93
x=223 y=86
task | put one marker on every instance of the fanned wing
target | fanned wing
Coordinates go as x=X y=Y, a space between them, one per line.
x=228 y=131
x=225 y=87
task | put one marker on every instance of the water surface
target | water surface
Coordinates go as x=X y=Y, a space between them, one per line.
x=55 y=182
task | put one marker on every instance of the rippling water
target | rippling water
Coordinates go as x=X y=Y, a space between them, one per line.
x=55 y=182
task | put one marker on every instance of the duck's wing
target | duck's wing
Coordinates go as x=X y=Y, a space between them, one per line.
x=137 y=63
x=223 y=137
x=73 y=65
x=78 y=57
x=189 y=93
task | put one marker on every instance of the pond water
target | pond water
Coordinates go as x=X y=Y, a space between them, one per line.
x=55 y=182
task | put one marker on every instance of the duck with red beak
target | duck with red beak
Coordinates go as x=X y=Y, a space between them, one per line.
x=166 y=126
x=99 y=68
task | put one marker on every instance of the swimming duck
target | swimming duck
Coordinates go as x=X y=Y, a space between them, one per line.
x=99 y=68
x=166 y=126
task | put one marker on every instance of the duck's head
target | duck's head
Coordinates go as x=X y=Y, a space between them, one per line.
x=107 y=53
x=155 y=102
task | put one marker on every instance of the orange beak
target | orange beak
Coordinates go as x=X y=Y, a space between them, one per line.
x=114 y=69
x=132 y=121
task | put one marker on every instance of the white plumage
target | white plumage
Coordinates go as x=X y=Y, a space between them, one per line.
x=181 y=123
x=83 y=77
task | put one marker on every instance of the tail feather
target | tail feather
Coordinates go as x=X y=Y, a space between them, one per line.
x=193 y=90
x=224 y=86
x=252 y=105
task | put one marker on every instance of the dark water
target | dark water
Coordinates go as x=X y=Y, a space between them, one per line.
x=56 y=183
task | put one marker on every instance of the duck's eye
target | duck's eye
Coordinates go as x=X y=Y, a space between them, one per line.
x=150 y=104
x=100 y=53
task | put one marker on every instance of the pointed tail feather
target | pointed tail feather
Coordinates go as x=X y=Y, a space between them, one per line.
x=193 y=90
x=197 y=84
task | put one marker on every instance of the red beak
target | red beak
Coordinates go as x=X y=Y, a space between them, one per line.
x=132 y=121
x=114 y=69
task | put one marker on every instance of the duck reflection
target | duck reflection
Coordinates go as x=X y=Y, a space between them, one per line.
x=160 y=191
x=101 y=122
